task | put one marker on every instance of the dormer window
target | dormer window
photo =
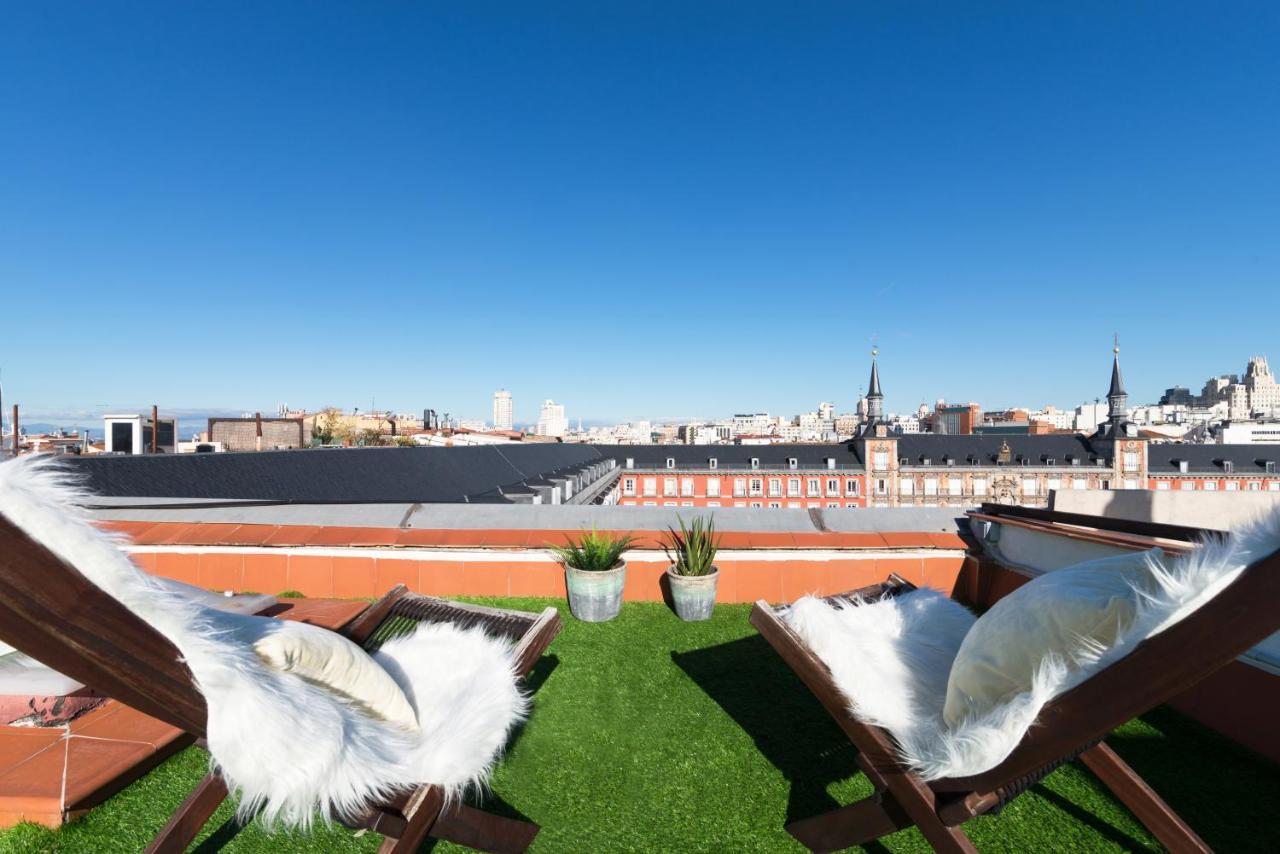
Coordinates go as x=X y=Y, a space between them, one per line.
x=948 y=460
x=924 y=461
x=1050 y=461
x=1269 y=466
x=671 y=462
x=1183 y=465
x=903 y=461
x=1228 y=466
x=711 y=462
x=1075 y=461
x=792 y=462
x=831 y=463
x=755 y=462
x=631 y=462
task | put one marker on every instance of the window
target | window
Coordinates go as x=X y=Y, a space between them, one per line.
x=930 y=486
x=668 y=486
x=979 y=486
x=813 y=505
x=756 y=504
x=650 y=486
x=831 y=463
x=686 y=503
x=849 y=505
x=755 y=462
x=712 y=463
x=851 y=486
x=833 y=505
x=794 y=505
x=651 y=504
x=671 y=462
x=1273 y=486
x=775 y=505
x=793 y=487
x=713 y=487
x=1254 y=486
x=1188 y=486
x=739 y=487
x=1028 y=486
x=813 y=487
x=1054 y=483
x=1131 y=461
x=907 y=486
x=757 y=486
x=1211 y=486
x=631 y=462
x=792 y=462
x=1106 y=484
x=881 y=460
x=1228 y=466
x=882 y=487
x=670 y=504
x=1233 y=486
x=1079 y=483
x=1162 y=485
x=713 y=503
x=775 y=487
x=686 y=486
x=1130 y=483
x=833 y=486
x=955 y=486
x=739 y=504
x=629 y=486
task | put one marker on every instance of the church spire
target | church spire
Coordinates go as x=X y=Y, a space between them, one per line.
x=874 y=397
x=1117 y=397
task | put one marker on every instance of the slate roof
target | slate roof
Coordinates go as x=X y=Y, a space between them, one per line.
x=807 y=456
x=1247 y=459
x=985 y=450
x=348 y=475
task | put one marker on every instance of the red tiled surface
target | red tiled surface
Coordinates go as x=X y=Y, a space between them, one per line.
x=291 y=535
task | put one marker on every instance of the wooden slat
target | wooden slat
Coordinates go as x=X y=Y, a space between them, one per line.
x=1158 y=817
x=57 y=616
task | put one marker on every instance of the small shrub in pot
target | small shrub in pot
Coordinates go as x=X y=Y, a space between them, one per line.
x=693 y=574
x=594 y=574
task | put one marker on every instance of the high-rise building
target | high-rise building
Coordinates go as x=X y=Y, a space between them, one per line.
x=502 y=410
x=552 y=421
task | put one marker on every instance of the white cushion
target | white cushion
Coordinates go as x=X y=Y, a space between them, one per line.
x=1068 y=616
x=329 y=660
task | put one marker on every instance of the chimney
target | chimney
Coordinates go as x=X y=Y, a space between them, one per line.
x=155 y=429
x=257 y=422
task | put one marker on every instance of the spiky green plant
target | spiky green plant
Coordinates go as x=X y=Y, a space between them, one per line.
x=692 y=550
x=594 y=551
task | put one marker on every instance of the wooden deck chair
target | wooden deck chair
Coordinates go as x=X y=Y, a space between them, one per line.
x=1070 y=726
x=56 y=615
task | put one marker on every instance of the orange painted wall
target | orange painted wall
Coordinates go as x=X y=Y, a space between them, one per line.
x=741 y=580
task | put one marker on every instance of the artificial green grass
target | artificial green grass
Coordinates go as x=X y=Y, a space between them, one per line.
x=649 y=734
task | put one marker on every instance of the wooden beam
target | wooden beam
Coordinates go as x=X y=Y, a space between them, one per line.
x=1132 y=791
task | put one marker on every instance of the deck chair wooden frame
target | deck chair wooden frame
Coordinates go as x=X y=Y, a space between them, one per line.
x=1071 y=726
x=56 y=615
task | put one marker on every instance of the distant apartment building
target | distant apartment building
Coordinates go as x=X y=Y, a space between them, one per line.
x=502 y=410
x=955 y=420
x=551 y=421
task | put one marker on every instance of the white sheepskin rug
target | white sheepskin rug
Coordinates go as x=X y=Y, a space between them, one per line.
x=892 y=658
x=290 y=748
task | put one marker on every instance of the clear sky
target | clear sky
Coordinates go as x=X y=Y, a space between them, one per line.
x=639 y=210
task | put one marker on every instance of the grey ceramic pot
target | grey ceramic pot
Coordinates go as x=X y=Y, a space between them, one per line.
x=694 y=595
x=595 y=597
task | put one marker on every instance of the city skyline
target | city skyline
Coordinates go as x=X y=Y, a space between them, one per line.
x=343 y=206
x=191 y=415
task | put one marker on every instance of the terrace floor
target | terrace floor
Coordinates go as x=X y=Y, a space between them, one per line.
x=653 y=734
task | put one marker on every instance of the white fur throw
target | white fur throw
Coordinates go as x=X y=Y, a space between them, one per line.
x=290 y=748
x=892 y=658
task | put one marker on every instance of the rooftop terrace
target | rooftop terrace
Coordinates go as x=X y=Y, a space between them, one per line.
x=653 y=734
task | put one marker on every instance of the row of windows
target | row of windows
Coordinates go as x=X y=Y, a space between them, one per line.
x=712 y=462
x=1212 y=485
x=795 y=487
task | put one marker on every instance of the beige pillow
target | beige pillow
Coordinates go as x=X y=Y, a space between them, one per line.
x=1065 y=612
x=329 y=660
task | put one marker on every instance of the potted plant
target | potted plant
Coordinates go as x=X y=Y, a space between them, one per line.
x=693 y=573
x=595 y=573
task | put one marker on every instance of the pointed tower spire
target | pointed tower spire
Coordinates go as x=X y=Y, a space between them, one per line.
x=874 y=397
x=1117 y=397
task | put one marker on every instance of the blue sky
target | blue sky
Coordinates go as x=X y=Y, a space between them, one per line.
x=639 y=210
